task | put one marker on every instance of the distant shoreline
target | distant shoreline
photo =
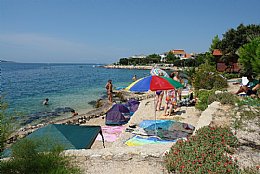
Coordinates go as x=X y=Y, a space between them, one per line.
x=141 y=67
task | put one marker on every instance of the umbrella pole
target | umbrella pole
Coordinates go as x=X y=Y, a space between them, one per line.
x=155 y=126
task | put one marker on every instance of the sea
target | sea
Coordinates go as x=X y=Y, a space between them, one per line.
x=24 y=87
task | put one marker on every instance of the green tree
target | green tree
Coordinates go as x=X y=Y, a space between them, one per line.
x=206 y=77
x=233 y=39
x=170 y=57
x=123 y=61
x=249 y=57
x=153 y=58
x=205 y=57
x=215 y=43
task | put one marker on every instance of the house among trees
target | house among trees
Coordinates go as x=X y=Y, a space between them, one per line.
x=181 y=54
x=223 y=65
x=178 y=53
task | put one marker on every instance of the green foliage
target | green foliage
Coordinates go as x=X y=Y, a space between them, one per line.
x=233 y=39
x=223 y=98
x=251 y=170
x=170 y=57
x=4 y=124
x=206 y=77
x=190 y=73
x=205 y=152
x=203 y=101
x=249 y=57
x=123 y=61
x=153 y=58
x=215 y=43
x=26 y=158
x=150 y=59
x=206 y=97
x=231 y=75
x=246 y=112
x=249 y=101
x=205 y=57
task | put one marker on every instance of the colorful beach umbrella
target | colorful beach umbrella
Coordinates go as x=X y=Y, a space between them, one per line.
x=154 y=83
x=158 y=72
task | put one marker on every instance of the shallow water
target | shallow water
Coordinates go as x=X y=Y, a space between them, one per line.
x=26 y=85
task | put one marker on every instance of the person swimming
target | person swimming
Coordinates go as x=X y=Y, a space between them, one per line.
x=45 y=102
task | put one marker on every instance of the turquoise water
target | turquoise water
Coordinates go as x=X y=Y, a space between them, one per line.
x=25 y=85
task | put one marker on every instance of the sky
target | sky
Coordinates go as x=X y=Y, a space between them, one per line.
x=103 y=31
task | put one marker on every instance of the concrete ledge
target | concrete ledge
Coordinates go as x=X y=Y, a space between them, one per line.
x=207 y=115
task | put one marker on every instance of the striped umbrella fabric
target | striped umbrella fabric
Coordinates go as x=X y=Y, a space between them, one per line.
x=154 y=83
x=158 y=72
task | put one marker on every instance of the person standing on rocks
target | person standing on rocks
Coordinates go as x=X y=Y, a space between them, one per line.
x=109 y=88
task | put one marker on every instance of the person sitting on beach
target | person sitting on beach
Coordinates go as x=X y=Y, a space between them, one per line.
x=170 y=101
x=45 y=102
x=109 y=88
x=74 y=113
x=250 y=88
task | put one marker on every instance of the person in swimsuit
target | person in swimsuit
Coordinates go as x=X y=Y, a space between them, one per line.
x=45 y=102
x=170 y=101
x=134 y=78
x=109 y=88
x=159 y=97
x=178 y=79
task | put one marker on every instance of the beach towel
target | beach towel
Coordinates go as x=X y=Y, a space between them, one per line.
x=139 y=141
x=110 y=133
x=166 y=129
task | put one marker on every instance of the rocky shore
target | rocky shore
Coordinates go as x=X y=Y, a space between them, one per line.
x=101 y=107
x=119 y=158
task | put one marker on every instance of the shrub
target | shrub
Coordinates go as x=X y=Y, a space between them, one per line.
x=203 y=101
x=5 y=129
x=231 y=75
x=206 y=77
x=223 y=98
x=26 y=158
x=206 y=152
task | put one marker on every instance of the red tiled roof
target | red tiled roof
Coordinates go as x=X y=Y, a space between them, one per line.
x=187 y=55
x=178 y=51
x=217 y=52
